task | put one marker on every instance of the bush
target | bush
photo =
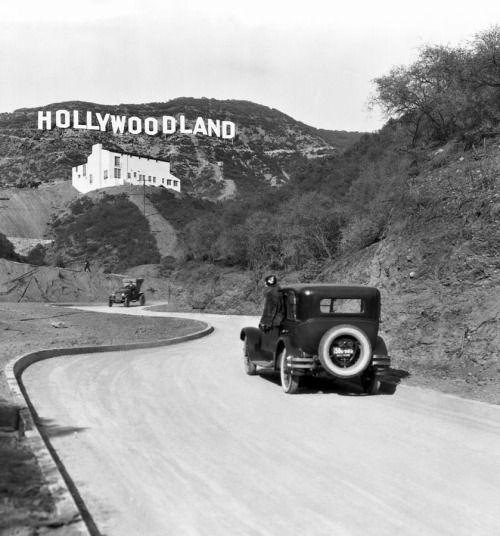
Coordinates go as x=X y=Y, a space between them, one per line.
x=36 y=256
x=112 y=231
x=7 y=250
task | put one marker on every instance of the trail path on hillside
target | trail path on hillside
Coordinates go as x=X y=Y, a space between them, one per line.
x=164 y=233
x=180 y=441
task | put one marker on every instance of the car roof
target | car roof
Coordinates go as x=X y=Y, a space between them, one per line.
x=339 y=291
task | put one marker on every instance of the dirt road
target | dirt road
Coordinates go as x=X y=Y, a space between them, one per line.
x=180 y=441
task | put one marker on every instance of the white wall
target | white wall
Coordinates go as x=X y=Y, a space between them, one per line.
x=100 y=171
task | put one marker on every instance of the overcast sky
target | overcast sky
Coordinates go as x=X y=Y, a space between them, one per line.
x=313 y=60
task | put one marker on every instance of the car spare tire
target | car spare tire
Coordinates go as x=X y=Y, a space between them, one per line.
x=345 y=351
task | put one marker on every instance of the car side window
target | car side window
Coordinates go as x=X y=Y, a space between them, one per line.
x=342 y=306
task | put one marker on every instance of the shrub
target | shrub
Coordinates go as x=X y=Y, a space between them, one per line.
x=36 y=256
x=7 y=250
x=112 y=231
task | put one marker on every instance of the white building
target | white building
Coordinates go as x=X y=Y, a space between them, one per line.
x=106 y=168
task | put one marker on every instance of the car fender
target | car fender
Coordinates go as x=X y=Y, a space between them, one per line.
x=253 y=335
x=287 y=342
x=381 y=360
x=380 y=347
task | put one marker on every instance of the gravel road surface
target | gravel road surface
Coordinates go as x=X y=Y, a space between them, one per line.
x=178 y=440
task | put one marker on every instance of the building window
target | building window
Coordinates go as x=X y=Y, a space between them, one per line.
x=129 y=175
x=117 y=161
x=175 y=183
x=90 y=178
x=135 y=174
x=154 y=179
x=149 y=178
x=105 y=174
x=117 y=173
x=84 y=169
x=169 y=182
x=163 y=181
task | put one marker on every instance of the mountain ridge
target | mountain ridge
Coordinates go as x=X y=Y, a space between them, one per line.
x=268 y=147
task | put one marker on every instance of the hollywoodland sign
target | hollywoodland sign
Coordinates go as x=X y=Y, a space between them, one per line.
x=119 y=124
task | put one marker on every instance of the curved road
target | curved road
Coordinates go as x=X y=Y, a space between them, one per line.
x=179 y=441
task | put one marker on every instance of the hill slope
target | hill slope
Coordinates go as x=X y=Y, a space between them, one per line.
x=25 y=213
x=268 y=147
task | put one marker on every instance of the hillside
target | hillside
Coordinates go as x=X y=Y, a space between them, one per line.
x=438 y=266
x=436 y=261
x=24 y=213
x=267 y=149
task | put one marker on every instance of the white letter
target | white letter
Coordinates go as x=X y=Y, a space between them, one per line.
x=76 y=124
x=228 y=132
x=169 y=124
x=102 y=121
x=134 y=125
x=62 y=119
x=184 y=130
x=90 y=126
x=151 y=126
x=200 y=127
x=44 y=117
x=214 y=128
x=118 y=123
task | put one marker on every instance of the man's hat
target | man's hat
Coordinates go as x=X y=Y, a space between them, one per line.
x=271 y=280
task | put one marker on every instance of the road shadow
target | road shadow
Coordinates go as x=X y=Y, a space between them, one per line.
x=51 y=429
x=317 y=385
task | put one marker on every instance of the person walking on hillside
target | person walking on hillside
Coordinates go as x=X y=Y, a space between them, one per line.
x=86 y=266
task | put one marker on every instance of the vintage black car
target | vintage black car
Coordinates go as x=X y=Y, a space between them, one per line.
x=130 y=291
x=328 y=330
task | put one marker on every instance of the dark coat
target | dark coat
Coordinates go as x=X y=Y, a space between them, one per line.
x=274 y=307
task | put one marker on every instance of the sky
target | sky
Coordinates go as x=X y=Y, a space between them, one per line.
x=314 y=60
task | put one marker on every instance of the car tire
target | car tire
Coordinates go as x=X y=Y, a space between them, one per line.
x=250 y=367
x=127 y=302
x=142 y=299
x=348 y=332
x=369 y=382
x=289 y=380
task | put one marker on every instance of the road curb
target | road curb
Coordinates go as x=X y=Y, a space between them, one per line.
x=69 y=506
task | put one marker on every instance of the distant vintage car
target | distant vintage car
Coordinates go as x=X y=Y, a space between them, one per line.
x=329 y=331
x=130 y=291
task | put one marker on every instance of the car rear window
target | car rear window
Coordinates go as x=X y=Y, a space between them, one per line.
x=342 y=306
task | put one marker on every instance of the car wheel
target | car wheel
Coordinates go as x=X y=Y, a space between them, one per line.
x=289 y=380
x=142 y=300
x=127 y=302
x=110 y=303
x=369 y=382
x=250 y=367
x=345 y=351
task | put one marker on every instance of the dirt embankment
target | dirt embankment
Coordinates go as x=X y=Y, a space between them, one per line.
x=23 y=282
x=24 y=213
x=438 y=267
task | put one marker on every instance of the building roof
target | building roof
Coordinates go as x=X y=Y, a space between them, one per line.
x=136 y=154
